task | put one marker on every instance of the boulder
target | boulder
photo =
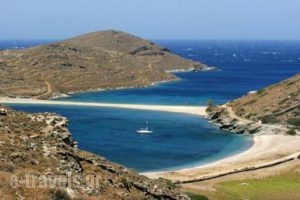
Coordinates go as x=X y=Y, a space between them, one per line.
x=3 y=111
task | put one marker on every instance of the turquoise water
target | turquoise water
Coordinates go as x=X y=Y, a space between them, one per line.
x=179 y=140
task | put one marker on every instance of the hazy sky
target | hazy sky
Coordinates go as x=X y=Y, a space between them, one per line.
x=152 y=19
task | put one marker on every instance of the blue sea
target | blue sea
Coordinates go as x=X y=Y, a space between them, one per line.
x=178 y=140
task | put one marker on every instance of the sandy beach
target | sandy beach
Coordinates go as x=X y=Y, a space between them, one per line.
x=267 y=150
x=194 y=110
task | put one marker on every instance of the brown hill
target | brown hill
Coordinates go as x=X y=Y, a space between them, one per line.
x=278 y=103
x=107 y=59
x=39 y=149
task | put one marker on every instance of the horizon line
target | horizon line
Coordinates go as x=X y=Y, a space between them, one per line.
x=166 y=39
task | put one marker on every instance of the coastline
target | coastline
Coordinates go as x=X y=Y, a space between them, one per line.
x=70 y=93
x=206 y=161
x=268 y=148
x=265 y=151
x=56 y=96
x=271 y=146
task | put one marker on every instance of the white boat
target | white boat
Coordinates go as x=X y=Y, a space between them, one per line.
x=144 y=131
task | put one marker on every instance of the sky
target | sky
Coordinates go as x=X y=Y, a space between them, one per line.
x=152 y=19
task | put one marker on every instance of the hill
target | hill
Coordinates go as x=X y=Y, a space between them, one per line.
x=40 y=157
x=100 y=60
x=278 y=103
x=272 y=110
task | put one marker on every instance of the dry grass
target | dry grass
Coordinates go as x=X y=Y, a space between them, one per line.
x=88 y=62
x=279 y=100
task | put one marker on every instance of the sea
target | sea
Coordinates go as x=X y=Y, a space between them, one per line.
x=178 y=140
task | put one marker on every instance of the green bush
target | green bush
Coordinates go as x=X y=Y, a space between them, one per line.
x=291 y=132
x=250 y=102
x=241 y=112
x=125 y=184
x=197 y=196
x=260 y=92
x=294 y=121
x=291 y=83
x=210 y=103
x=269 y=119
x=283 y=101
x=171 y=184
x=276 y=111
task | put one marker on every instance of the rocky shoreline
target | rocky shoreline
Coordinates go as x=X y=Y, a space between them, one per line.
x=221 y=118
x=41 y=145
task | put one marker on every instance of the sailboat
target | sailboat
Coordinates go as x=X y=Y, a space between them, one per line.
x=144 y=130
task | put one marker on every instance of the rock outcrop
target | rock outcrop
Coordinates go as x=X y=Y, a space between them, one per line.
x=221 y=118
x=40 y=145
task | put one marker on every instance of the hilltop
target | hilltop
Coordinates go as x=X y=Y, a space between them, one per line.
x=40 y=145
x=99 y=60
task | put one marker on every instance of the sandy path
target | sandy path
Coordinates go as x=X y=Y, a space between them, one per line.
x=48 y=92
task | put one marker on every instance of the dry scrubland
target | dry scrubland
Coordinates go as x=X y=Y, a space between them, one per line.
x=40 y=144
x=100 y=60
x=279 y=103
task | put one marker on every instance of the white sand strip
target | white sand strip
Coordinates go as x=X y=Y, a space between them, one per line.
x=195 y=110
x=265 y=150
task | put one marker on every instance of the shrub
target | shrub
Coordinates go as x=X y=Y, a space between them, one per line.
x=283 y=101
x=276 y=111
x=296 y=113
x=250 y=102
x=294 y=121
x=294 y=94
x=269 y=119
x=125 y=184
x=241 y=111
x=209 y=109
x=197 y=196
x=210 y=103
x=291 y=83
x=261 y=91
x=171 y=184
x=291 y=132
x=59 y=194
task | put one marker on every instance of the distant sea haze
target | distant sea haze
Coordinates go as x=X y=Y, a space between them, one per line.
x=178 y=140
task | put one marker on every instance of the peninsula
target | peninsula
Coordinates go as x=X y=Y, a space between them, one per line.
x=99 y=60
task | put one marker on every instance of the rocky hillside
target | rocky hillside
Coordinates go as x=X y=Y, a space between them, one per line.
x=107 y=59
x=272 y=110
x=279 y=103
x=40 y=145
